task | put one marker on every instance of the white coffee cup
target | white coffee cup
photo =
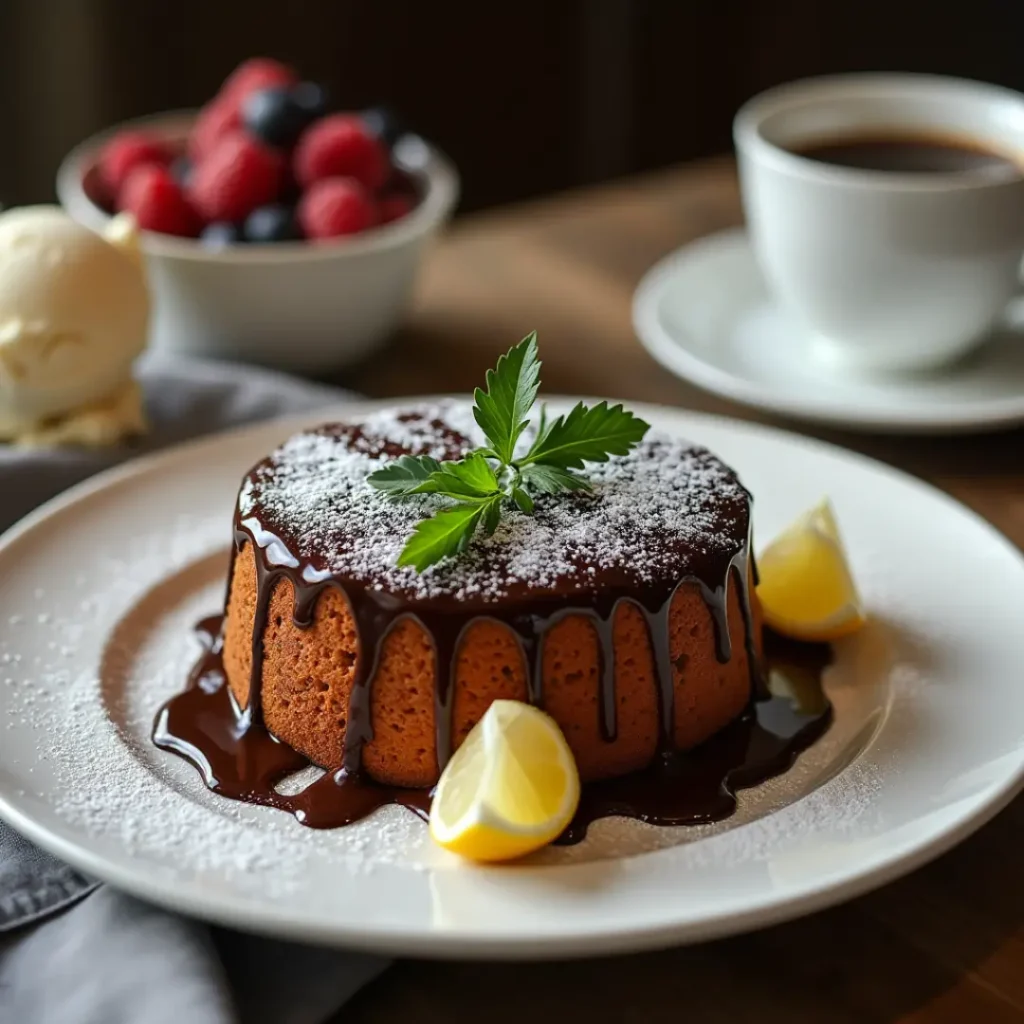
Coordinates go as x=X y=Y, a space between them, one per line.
x=886 y=270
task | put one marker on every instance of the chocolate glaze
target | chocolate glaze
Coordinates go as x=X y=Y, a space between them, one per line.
x=240 y=758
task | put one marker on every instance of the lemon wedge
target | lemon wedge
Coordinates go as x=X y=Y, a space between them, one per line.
x=806 y=589
x=511 y=788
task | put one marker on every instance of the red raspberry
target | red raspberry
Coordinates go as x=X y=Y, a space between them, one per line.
x=250 y=75
x=124 y=153
x=394 y=207
x=340 y=146
x=335 y=206
x=235 y=177
x=158 y=202
x=215 y=120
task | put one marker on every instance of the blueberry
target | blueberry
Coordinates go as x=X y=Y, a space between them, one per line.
x=384 y=123
x=181 y=170
x=220 y=233
x=274 y=116
x=273 y=223
x=312 y=99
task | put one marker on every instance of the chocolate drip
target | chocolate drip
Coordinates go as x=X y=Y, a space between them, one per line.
x=745 y=568
x=529 y=630
x=657 y=619
x=266 y=577
x=446 y=634
x=604 y=626
x=373 y=625
x=716 y=601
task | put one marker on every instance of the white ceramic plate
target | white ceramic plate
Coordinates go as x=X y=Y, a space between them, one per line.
x=706 y=314
x=102 y=586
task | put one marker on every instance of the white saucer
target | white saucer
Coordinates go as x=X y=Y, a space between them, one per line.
x=705 y=313
x=103 y=585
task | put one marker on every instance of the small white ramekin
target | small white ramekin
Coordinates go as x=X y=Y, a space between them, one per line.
x=304 y=307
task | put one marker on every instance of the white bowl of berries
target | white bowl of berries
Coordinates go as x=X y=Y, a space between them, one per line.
x=275 y=232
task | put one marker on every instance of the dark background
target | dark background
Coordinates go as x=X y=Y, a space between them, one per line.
x=527 y=97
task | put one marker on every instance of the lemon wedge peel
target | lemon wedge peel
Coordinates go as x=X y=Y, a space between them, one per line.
x=806 y=589
x=511 y=788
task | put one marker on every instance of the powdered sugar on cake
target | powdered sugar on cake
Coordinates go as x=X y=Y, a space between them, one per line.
x=651 y=514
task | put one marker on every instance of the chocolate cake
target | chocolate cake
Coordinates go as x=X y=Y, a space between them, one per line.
x=627 y=612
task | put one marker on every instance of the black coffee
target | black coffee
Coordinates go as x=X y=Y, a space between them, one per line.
x=909 y=154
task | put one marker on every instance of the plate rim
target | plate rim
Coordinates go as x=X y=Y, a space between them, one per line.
x=683 y=362
x=767 y=909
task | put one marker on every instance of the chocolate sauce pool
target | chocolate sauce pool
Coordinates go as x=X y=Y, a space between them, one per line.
x=242 y=761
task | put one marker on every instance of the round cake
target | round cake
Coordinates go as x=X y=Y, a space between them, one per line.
x=628 y=612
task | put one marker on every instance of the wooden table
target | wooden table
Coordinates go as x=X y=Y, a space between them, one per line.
x=945 y=944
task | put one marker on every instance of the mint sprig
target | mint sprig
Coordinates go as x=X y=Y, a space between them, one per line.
x=493 y=478
x=503 y=411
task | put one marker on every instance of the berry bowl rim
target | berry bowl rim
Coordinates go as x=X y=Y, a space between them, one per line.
x=433 y=172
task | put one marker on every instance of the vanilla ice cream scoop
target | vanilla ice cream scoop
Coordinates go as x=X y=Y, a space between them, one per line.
x=74 y=311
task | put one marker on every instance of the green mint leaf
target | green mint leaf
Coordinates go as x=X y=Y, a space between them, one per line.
x=444 y=534
x=523 y=500
x=492 y=515
x=470 y=479
x=551 y=479
x=479 y=487
x=542 y=420
x=502 y=411
x=586 y=434
x=406 y=475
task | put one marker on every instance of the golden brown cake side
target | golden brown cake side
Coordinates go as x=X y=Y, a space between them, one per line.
x=308 y=674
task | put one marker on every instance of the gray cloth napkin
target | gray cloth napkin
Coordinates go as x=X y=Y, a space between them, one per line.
x=76 y=952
